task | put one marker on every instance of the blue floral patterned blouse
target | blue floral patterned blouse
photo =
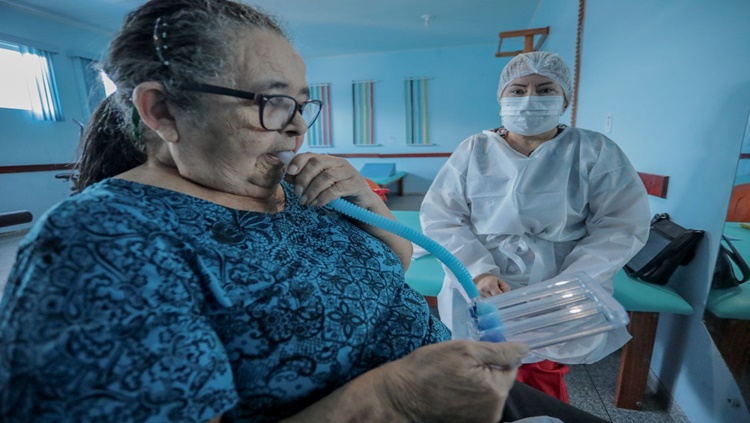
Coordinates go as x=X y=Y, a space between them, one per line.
x=129 y=302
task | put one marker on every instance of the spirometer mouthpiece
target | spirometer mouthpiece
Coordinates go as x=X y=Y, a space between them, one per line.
x=286 y=156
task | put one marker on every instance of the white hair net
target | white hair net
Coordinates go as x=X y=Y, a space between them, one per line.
x=542 y=63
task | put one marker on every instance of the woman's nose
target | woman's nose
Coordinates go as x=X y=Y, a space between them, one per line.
x=297 y=126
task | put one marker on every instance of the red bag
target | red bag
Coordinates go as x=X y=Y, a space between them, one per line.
x=546 y=376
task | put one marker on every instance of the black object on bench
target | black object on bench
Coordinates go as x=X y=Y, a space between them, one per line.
x=15 y=218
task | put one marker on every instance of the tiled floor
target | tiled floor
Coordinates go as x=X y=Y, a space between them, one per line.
x=591 y=387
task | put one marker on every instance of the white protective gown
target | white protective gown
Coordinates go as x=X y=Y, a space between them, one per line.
x=574 y=205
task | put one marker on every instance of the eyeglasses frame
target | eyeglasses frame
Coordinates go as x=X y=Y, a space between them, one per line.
x=259 y=98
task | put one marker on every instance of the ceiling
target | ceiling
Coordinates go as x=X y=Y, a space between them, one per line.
x=339 y=27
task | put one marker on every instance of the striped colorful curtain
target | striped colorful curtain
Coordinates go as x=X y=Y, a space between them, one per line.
x=319 y=135
x=362 y=106
x=415 y=90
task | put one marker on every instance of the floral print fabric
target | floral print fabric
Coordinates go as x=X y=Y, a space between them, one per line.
x=129 y=302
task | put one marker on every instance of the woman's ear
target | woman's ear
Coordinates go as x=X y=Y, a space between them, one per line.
x=150 y=99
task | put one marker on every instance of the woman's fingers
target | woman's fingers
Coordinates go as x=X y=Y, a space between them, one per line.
x=319 y=179
x=503 y=356
x=455 y=381
x=489 y=285
x=504 y=286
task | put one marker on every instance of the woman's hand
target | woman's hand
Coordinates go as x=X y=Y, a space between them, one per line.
x=454 y=381
x=320 y=179
x=489 y=285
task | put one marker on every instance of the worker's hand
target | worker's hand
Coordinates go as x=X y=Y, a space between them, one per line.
x=454 y=381
x=489 y=285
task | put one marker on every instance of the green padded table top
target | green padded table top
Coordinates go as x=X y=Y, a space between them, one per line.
x=733 y=303
x=425 y=274
x=408 y=218
x=386 y=180
x=635 y=295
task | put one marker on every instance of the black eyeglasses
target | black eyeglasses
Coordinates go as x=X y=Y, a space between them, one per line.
x=276 y=111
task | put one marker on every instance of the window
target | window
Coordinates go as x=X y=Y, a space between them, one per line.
x=109 y=86
x=27 y=81
x=13 y=80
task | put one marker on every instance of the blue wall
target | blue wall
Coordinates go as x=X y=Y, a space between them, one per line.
x=461 y=101
x=26 y=141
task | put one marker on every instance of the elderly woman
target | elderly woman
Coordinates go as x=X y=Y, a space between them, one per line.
x=535 y=199
x=188 y=281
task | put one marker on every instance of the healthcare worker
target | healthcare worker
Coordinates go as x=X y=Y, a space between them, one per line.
x=534 y=200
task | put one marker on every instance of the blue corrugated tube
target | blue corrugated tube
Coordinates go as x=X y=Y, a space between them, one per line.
x=374 y=219
x=366 y=216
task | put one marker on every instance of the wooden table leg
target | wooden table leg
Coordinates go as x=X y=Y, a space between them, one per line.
x=636 y=360
x=736 y=345
x=431 y=301
x=732 y=339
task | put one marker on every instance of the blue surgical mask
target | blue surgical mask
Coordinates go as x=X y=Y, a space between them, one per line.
x=531 y=115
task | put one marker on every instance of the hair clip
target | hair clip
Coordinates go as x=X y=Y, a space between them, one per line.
x=135 y=117
x=160 y=41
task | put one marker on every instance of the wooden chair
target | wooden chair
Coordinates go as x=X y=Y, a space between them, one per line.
x=643 y=301
x=728 y=320
x=728 y=311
